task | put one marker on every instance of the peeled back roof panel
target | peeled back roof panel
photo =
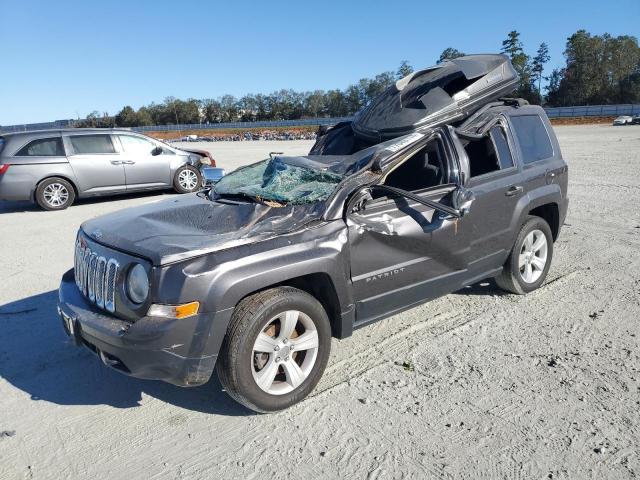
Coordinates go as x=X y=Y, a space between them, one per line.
x=445 y=93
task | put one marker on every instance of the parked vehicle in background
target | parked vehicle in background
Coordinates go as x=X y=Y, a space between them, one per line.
x=636 y=120
x=254 y=276
x=623 y=120
x=54 y=167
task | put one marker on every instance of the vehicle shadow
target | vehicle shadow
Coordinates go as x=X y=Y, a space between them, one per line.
x=482 y=288
x=37 y=358
x=26 y=206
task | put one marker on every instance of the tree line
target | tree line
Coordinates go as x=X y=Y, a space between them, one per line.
x=599 y=69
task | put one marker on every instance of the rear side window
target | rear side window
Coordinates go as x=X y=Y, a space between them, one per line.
x=90 y=144
x=43 y=147
x=533 y=138
x=502 y=147
x=1 y=144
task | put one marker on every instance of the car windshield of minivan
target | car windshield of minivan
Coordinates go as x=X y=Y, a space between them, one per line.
x=276 y=181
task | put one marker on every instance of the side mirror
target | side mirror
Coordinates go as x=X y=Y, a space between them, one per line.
x=359 y=200
x=462 y=200
x=156 y=151
x=212 y=175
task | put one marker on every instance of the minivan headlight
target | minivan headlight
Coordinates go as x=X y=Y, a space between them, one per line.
x=137 y=284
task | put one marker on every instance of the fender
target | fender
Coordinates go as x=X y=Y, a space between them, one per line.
x=220 y=280
x=535 y=198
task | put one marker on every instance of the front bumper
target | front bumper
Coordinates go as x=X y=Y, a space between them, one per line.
x=154 y=348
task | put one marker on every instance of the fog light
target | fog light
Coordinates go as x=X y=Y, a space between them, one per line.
x=174 y=311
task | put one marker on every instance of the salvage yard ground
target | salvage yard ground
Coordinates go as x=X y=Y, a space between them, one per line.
x=475 y=384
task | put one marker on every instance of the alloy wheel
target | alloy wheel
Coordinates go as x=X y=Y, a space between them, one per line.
x=284 y=352
x=533 y=256
x=56 y=194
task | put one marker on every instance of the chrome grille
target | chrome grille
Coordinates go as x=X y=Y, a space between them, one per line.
x=96 y=276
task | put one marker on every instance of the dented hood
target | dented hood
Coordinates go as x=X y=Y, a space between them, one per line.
x=190 y=225
x=445 y=93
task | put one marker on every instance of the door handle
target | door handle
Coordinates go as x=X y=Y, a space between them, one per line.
x=128 y=162
x=116 y=162
x=514 y=190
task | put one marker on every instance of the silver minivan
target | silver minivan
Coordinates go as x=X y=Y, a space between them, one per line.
x=54 y=167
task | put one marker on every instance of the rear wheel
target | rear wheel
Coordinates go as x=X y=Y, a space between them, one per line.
x=528 y=264
x=55 y=194
x=276 y=349
x=187 y=179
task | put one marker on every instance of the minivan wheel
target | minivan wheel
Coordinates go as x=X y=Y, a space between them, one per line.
x=530 y=258
x=55 y=194
x=187 y=179
x=276 y=349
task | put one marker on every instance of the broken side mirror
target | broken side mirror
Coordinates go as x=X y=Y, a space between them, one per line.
x=462 y=199
x=359 y=200
x=156 y=151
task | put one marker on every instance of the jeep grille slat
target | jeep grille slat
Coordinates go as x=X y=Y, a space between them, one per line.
x=96 y=276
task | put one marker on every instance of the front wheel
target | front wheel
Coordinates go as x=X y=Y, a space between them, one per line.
x=276 y=349
x=528 y=264
x=187 y=179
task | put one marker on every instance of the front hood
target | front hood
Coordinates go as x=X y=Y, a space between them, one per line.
x=184 y=227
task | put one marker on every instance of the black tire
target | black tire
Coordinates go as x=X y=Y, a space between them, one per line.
x=511 y=278
x=237 y=360
x=178 y=184
x=46 y=198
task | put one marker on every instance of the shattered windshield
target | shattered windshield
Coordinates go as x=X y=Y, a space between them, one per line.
x=277 y=181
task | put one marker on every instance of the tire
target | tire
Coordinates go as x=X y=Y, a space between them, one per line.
x=526 y=268
x=55 y=193
x=242 y=369
x=187 y=179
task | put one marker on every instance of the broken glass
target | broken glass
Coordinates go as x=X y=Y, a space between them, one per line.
x=280 y=182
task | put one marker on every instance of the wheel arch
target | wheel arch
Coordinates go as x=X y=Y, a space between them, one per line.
x=549 y=212
x=321 y=287
x=542 y=202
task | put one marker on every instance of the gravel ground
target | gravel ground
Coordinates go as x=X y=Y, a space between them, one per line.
x=477 y=384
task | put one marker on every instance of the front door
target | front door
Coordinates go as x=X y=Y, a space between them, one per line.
x=402 y=252
x=142 y=168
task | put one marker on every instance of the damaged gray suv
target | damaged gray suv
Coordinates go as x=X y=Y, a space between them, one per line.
x=439 y=183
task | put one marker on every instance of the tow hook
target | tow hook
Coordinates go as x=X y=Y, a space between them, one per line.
x=107 y=361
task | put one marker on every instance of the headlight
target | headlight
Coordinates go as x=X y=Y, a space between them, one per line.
x=137 y=284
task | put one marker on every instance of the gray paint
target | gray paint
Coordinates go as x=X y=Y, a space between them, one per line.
x=373 y=261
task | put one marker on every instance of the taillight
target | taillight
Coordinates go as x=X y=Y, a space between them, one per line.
x=4 y=167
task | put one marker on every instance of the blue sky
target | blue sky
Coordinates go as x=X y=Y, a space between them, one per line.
x=63 y=59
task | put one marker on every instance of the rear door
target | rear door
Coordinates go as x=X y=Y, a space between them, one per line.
x=96 y=163
x=142 y=168
x=496 y=182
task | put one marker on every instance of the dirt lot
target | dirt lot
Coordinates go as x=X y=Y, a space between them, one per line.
x=495 y=386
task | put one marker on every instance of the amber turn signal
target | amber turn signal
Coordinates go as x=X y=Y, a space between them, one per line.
x=174 y=311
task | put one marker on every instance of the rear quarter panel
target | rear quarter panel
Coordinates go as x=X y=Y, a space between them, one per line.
x=545 y=180
x=25 y=173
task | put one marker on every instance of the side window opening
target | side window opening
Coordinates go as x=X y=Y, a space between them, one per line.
x=426 y=168
x=490 y=153
x=533 y=138
x=136 y=145
x=91 y=144
x=43 y=147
